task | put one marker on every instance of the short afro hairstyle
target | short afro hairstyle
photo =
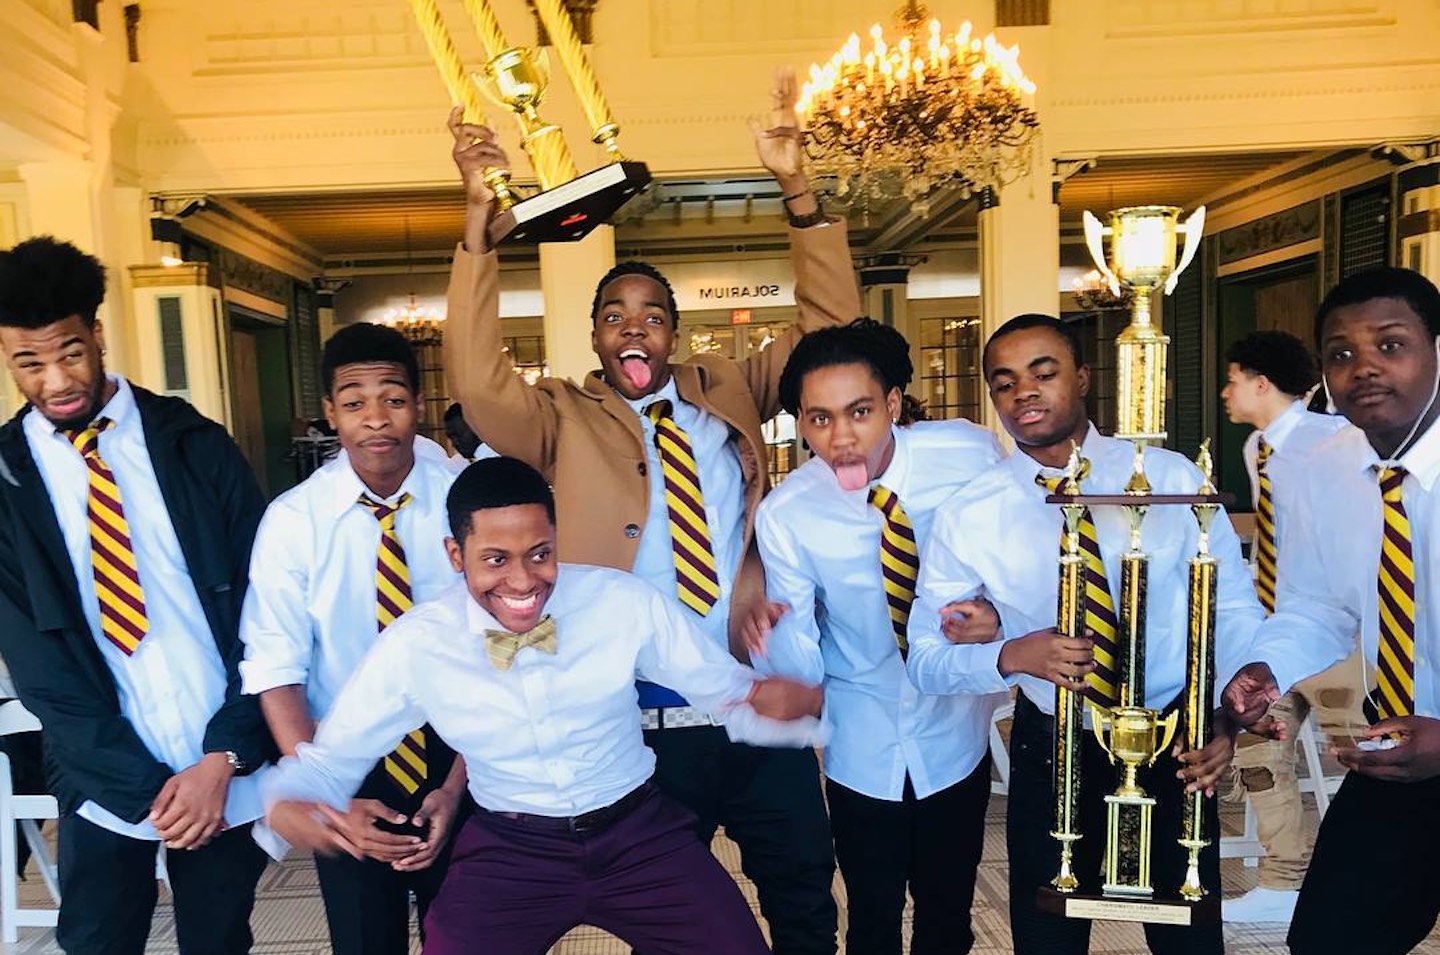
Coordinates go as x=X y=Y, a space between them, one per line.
x=364 y=343
x=44 y=280
x=1414 y=289
x=1030 y=320
x=495 y=483
x=862 y=342
x=637 y=268
x=1280 y=357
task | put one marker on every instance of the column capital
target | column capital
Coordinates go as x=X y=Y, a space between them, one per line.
x=886 y=268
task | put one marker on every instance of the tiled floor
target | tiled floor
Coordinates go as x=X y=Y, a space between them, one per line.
x=288 y=918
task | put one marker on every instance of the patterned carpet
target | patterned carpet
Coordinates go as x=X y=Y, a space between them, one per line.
x=289 y=920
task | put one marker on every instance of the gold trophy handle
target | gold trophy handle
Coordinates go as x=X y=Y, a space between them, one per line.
x=1099 y=723
x=1169 y=724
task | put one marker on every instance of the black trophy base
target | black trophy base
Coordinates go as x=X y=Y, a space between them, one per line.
x=1110 y=908
x=570 y=211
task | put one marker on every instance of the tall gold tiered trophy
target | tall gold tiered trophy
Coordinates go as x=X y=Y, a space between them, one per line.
x=569 y=205
x=1134 y=733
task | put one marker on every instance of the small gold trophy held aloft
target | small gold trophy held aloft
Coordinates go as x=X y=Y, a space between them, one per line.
x=569 y=206
x=1133 y=733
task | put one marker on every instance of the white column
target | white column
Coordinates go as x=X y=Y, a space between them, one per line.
x=1019 y=257
x=568 y=273
x=196 y=365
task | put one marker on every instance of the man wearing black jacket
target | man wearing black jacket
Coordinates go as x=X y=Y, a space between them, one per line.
x=126 y=521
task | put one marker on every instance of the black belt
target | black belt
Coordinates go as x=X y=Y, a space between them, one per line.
x=593 y=821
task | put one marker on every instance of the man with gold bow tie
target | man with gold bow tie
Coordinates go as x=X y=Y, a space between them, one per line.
x=528 y=671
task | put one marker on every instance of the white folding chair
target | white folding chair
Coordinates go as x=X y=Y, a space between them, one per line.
x=999 y=755
x=25 y=810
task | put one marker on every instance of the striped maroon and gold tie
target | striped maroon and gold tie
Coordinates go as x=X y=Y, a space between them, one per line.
x=123 y=620
x=406 y=765
x=696 y=582
x=1266 y=553
x=899 y=561
x=1395 y=661
x=1100 y=619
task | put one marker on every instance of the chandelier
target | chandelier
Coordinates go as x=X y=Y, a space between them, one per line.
x=931 y=111
x=421 y=325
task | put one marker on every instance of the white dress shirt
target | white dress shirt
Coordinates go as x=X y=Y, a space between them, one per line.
x=175 y=680
x=555 y=735
x=723 y=486
x=1291 y=436
x=310 y=614
x=821 y=548
x=999 y=539
x=1328 y=575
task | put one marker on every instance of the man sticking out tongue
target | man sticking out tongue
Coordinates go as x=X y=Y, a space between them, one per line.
x=658 y=466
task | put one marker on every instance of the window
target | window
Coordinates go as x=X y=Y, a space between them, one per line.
x=950 y=379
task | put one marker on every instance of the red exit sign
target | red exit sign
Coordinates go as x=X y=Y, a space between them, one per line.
x=740 y=316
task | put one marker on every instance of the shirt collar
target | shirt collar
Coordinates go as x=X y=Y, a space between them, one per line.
x=1279 y=430
x=668 y=392
x=478 y=619
x=896 y=478
x=1026 y=468
x=1422 y=460
x=349 y=487
x=120 y=409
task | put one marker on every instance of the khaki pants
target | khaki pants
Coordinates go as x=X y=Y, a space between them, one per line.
x=1265 y=769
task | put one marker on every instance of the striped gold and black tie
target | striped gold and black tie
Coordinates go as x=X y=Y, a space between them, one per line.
x=1267 y=555
x=1395 y=663
x=406 y=764
x=123 y=620
x=899 y=561
x=696 y=581
x=1100 y=617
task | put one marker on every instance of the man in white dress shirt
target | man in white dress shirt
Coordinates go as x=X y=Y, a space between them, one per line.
x=907 y=773
x=1359 y=556
x=126 y=520
x=998 y=538
x=335 y=560
x=1268 y=375
x=528 y=669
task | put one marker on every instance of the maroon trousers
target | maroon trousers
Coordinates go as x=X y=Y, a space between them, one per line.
x=515 y=890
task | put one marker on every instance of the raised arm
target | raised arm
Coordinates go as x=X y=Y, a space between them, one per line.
x=825 y=289
x=508 y=415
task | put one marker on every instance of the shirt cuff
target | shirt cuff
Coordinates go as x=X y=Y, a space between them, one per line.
x=258 y=676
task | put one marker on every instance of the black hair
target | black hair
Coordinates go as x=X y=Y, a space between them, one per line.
x=494 y=483
x=44 y=280
x=637 y=268
x=1279 y=356
x=862 y=342
x=1414 y=289
x=458 y=430
x=363 y=343
x=1030 y=320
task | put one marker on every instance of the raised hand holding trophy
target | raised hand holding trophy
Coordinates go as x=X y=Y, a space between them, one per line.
x=569 y=206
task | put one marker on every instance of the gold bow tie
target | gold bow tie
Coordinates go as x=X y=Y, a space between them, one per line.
x=502 y=645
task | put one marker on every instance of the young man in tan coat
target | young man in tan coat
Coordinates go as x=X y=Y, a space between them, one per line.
x=658 y=468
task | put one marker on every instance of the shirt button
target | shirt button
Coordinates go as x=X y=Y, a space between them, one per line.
x=632 y=531
x=642 y=468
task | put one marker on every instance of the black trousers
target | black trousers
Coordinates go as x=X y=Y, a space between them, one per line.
x=769 y=802
x=1035 y=856
x=367 y=903
x=108 y=891
x=932 y=845
x=1371 y=883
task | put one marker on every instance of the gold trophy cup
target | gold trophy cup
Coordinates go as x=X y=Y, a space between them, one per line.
x=1136 y=736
